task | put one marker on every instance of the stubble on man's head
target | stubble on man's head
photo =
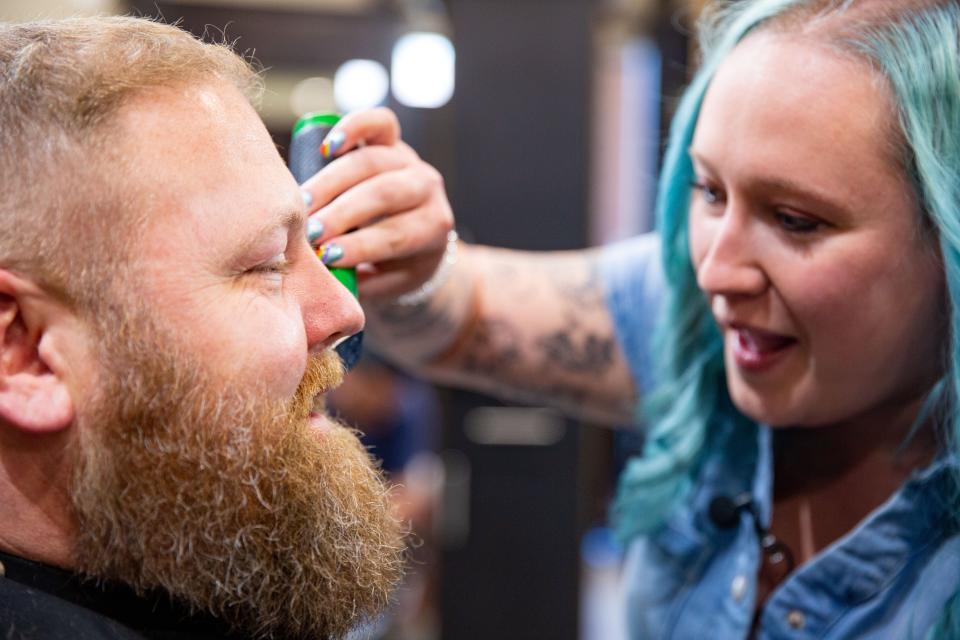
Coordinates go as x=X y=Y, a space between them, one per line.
x=67 y=213
x=230 y=503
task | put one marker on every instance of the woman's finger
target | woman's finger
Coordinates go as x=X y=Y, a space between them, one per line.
x=401 y=236
x=378 y=126
x=395 y=277
x=382 y=195
x=354 y=168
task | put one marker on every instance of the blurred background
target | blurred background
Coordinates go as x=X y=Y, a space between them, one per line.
x=546 y=118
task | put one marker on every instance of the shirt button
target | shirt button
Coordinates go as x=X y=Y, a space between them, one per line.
x=796 y=619
x=738 y=588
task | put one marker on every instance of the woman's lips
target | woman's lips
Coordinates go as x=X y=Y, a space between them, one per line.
x=758 y=350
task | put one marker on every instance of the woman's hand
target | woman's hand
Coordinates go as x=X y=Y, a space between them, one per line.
x=382 y=208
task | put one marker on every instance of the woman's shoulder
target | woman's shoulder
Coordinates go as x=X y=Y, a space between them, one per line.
x=633 y=284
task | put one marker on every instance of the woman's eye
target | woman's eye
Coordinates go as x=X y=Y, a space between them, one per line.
x=709 y=193
x=796 y=224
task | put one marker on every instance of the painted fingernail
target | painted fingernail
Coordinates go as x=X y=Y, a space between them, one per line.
x=307 y=198
x=314 y=230
x=330 y=253
x=332 y=143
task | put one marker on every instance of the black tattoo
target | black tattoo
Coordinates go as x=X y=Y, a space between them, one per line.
x=567 y=363
x=574 y=348
x=494 y=348
x=576 y=351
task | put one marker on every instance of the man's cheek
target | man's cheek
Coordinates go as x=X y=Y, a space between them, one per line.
x=268 y=350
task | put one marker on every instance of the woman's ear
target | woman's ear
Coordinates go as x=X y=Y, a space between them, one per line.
x=34 y=397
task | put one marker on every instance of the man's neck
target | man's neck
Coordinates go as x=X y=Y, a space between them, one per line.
x=35 y=521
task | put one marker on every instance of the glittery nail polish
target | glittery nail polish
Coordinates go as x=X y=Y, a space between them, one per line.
x=307 y=198
x=314 y=230
x=332 y=143
x=330 y=253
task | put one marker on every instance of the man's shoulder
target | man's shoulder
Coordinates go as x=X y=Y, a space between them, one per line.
x=29 y=614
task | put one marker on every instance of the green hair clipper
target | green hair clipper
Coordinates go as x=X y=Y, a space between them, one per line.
x=306 y=160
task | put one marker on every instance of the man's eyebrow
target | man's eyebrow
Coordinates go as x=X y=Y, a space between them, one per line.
x=781 y=184
x=286 y=219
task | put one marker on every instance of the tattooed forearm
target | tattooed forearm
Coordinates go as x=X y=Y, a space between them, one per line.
x=417 y=334
x=554 y=370
x=545 y=336
x=579 y=286
x=576 y=346
x=415 y=320
x=494 y=348
x=589 y=354
x=526 y=326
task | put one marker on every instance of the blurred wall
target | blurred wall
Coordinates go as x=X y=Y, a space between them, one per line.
x=21 y=10
x=521 y=150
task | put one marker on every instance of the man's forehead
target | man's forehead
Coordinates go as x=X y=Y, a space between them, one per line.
x=206 y=163
x=202 y=118
x=207 y=98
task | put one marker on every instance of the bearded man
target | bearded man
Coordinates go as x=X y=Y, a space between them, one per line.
x=166 y=466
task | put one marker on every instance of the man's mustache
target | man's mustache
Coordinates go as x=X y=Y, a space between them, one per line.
x=324 y=372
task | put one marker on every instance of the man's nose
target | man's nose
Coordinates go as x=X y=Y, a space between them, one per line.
x=731 y=264
x=330 y=310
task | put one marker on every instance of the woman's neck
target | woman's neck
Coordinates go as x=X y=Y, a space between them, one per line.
x=828 y=479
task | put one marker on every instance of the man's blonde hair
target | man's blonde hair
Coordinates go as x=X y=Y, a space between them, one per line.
x=64 y=212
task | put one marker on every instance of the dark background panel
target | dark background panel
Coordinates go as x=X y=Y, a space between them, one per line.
x=521 y=126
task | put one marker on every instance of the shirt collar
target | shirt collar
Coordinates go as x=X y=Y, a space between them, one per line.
x=154 y=611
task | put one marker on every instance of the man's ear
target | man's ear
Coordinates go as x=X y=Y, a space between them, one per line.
x=33 y=394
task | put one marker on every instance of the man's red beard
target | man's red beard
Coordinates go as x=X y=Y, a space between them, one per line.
x=228 y=502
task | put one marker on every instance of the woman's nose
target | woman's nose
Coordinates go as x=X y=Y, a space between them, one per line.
x=729 y=264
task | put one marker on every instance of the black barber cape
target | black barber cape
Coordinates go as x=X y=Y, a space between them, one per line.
x=38 y=602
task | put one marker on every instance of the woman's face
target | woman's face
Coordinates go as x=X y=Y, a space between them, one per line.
x=807 y=239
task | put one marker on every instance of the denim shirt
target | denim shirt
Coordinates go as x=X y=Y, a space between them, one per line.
x=887 y=578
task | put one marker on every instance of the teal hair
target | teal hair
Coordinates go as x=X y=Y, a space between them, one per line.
x=920 y=58
x=687 y=346
x=914 y=45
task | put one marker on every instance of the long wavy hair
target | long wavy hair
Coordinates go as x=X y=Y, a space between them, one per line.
x=913 y=44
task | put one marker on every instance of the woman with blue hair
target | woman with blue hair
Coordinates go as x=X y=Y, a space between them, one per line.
x=790 y=336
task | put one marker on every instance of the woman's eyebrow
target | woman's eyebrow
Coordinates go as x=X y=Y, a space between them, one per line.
x=819 y=199
x=785 y=185
x=699 y=159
